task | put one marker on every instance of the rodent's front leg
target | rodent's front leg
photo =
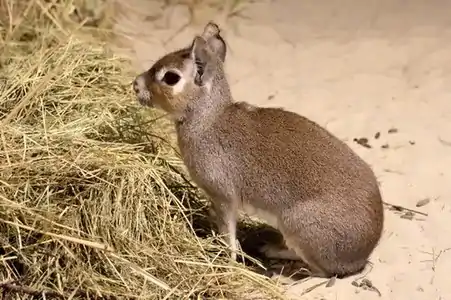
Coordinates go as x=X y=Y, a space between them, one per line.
x=225 y=216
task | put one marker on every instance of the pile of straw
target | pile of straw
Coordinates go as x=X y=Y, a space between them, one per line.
x=92 y=200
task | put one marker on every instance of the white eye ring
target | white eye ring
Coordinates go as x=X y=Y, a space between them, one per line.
x=160 y=74
x=172 y=78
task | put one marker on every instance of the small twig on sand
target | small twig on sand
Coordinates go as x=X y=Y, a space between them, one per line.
x=366 y=284
x=443 y=142
x=402 y=208
x=315 y=286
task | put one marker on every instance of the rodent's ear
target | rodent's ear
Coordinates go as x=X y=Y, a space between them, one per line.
x=212 y=35
x=204 y=59
x=210 y=30
x=218 y=45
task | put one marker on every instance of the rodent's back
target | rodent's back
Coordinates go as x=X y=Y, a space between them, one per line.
x=273 y=145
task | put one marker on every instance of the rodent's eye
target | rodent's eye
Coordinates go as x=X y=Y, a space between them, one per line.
x=171 y=78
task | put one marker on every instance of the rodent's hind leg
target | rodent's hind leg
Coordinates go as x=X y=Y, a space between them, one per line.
x=276 y=252
x=314 y=267
x=292 y=250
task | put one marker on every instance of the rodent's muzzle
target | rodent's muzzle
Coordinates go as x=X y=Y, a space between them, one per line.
x=142 y=91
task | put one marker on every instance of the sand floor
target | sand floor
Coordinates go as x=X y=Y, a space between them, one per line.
x=358 y=68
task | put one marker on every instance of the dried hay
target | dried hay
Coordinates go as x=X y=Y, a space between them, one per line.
x=92 y=202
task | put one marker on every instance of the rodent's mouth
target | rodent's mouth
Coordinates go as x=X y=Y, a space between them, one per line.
x=145 y=101
x=144 y=98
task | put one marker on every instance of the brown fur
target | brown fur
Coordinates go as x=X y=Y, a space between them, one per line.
x=324 y=198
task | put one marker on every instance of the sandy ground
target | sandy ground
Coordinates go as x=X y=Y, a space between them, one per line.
x=357 y=68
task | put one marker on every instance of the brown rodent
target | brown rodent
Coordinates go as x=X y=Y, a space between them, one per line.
x=272 y=163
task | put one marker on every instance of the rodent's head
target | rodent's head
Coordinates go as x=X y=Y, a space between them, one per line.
x=183 y=75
